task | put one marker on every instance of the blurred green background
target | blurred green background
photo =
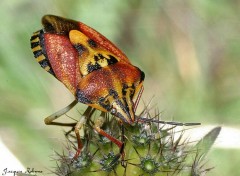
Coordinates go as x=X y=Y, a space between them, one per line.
x=189 y=51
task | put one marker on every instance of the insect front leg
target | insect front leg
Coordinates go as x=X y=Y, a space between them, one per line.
x=97 y=127
x=49 y=120
x=121 y=152
x=78 y=126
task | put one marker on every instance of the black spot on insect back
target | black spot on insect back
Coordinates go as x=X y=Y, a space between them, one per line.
x=104 y=103
x=124 y=89
x=92 y=43
x=113 y=93
x=82 y=98
x=111 y=60
x=80 y=48
x=96 y=58
x=91 y=67
x=101 y=56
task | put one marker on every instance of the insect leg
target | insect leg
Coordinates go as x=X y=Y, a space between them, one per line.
x=138 y=99
x=123 y=146
x=115 y=141
x=49 y=120
x=111 y=138
x=97 y=127
x=119 y=143
x=78 y=126
x=121 y=150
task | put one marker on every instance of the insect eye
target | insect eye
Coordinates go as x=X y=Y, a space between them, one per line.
x=113 y=111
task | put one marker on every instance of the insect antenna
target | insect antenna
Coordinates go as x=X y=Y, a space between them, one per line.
x=138 y=99
x=147 y=106
x=147 y=120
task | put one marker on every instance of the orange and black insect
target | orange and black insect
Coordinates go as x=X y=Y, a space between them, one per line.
x=95 y=71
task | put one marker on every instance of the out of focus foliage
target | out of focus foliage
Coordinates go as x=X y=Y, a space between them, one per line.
x=189 y=51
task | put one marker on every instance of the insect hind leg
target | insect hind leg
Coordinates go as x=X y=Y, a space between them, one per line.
x=50 y=119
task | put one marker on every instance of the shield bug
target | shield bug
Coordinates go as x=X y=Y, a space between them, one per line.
x=94 y=70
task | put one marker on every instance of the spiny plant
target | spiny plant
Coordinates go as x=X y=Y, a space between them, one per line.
x=151 y=147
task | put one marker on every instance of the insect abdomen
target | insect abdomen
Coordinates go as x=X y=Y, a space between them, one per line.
x=39 y=51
